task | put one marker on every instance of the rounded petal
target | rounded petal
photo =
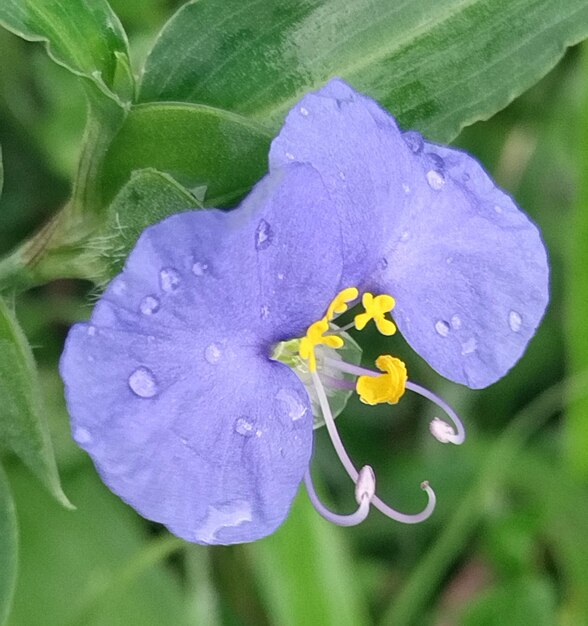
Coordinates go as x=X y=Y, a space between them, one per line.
x=170 y=387
x=213 y=444
x=363 y=160
x=468 y=270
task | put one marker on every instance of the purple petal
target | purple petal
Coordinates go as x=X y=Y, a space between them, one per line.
x=212 y=443
x=466 y=266
x=468 y=270
x=170 y=387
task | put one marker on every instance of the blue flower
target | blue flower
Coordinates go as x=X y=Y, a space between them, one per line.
x=178 y=387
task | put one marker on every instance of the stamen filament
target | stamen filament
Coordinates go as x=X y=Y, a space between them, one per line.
x=348 y=464
x=341 y=520
x=442 y=431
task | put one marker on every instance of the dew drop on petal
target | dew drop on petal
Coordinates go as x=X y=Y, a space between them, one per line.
x=263 y=235
x=515 y=321
x=413 y=140
x=442 y=328
x=82 y=435
x=169 y=279
x=149 y=305
x=405 y=236
x=304 y=111
x=406 y=188
x=465 y=177
x=383 y=263
x=199 y=268
x=498 y=208
x=289 y=156
x=91 y=331
x=264 y=311
x=435 y=179
x=244 y=427
x=119 y=286
x=213 y=353
x=469 y=346
x=456 y=322
x=295 y=408
x=142 y=383
x=280 y=276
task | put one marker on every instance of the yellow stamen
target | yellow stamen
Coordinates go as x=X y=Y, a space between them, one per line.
x=315 y=335
x=375 y=309
x=339 y=304
x=388 y=387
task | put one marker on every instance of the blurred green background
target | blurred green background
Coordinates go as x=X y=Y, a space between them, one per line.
x=508 y=543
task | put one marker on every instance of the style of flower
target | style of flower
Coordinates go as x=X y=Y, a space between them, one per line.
x=178 y=387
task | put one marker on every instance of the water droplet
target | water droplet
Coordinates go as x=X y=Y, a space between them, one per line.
x=413 y=140
x=469 y=346
x=342 y=175
x=442 y=328
x=515 y=321
x=91 y=331
x=142 y=383
x=449 y=260
x=169 y=279
x=280 y=276
x=435 y=179
x=82 y=435
x=456 y=322
x=303 y=111
x=465 y=177
x=295 y=408
x=406 y=188
x=264 y=311
x=199 y=268
x=226 y=515
x=213 y=353
x=119 y=286
x=405 y=236
x=244 y=427
x=383 y=263
x=498 y=208
x=289 y=156
x=263 y=235
x=149 y=305
x=435 y=161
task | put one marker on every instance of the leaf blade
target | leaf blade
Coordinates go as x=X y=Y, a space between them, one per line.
x=22 y=426
x=8 y=547
x=272 y=53
x=85 y=37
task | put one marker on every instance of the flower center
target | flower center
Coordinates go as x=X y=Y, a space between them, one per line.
x=316 y=359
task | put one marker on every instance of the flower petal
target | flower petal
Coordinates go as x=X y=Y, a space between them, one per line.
x=213 y=444
x=468 y=270
x=466 y=266
x=170 y=387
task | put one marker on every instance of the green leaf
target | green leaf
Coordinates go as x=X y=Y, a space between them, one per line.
x=306 y=573
x=22 y=424
x=96 y=566
x=147 y=198
x=197 y=145
x=437 y=64
x=8 y=547
x=85 y=36
x=577 y=287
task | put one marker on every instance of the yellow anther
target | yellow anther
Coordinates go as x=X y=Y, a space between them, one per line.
x=387 y=387
x=339 y=304
x=315 y=335
x=375 y=309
